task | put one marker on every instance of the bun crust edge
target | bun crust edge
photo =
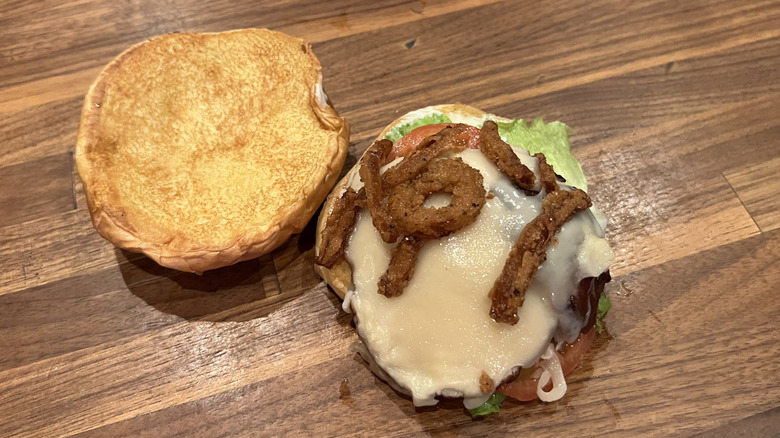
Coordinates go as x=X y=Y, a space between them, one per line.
x=112 y=225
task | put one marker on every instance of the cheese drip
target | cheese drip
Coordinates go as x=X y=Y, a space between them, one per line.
x=437 y=338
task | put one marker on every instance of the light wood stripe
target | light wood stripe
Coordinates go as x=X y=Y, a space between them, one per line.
x=757 y=186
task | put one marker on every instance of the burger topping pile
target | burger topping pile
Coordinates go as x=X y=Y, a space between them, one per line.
x=396 y=200
x=473 y=269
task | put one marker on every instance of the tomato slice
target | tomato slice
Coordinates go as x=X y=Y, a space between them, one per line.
x=524 y=387
x=409 y=142
x=573 y=353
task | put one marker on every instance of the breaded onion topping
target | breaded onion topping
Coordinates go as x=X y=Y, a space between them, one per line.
x=406 y=202
x=530 y=249
x=502 y=155
x=372 y=182
x=402 y=261
x=338 y=227
x=429 y=149
x=547 y=175
x=396 y=202
x=396 y=199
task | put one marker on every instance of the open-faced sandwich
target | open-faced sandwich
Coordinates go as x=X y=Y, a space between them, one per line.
x=471 y=256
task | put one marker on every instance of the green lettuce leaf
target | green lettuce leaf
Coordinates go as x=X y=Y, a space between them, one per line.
x=491 y=406
x=604 y=305
x=551 y=139
x=399 y=131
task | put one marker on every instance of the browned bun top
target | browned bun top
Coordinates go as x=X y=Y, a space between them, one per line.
x=202 y=150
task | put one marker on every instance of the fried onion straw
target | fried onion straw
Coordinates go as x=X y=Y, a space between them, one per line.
x=372 y=182
x=428 y=149
x=396 y=202
x=402 y=262
x=547 y=175
x=530 y=251
x=338 y=227
x=406 y=202
x=501 y=153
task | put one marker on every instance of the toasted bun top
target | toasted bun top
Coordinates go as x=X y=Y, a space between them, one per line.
x=340 y=276
x=202 y=150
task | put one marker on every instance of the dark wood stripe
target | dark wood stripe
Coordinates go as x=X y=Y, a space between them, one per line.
x=36 y=188
x=39 y=131
x=763 y=425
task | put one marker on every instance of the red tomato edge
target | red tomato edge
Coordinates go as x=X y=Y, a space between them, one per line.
x=411 y=140
x=570 y=356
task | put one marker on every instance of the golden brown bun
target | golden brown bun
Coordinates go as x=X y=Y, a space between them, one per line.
x=340 y=277
x=203 y=150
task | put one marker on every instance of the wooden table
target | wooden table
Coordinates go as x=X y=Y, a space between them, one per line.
x=675 y=115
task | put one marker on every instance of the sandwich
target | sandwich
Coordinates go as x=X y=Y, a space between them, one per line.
x=201 y=150
x=470 y=255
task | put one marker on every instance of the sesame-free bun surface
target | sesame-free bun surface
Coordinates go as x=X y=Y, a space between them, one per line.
x=202 y=150
x=339 y=278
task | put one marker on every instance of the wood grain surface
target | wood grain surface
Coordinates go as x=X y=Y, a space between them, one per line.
x=675 y=117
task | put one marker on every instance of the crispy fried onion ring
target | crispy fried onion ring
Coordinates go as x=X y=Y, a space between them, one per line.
x=530 y=249
x=396 y=202
x=428 y=149
x=406 y=200
x=372 y=182
x=502 y=155
x=396 y=199
x=339 y=226
x=547 y=175
x=402 y=262
x=377 y=185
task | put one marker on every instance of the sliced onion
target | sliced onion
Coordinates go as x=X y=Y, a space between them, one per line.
x=552 y=370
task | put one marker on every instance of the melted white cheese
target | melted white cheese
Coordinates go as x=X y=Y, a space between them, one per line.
x=319 y=94
x=437 y=338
